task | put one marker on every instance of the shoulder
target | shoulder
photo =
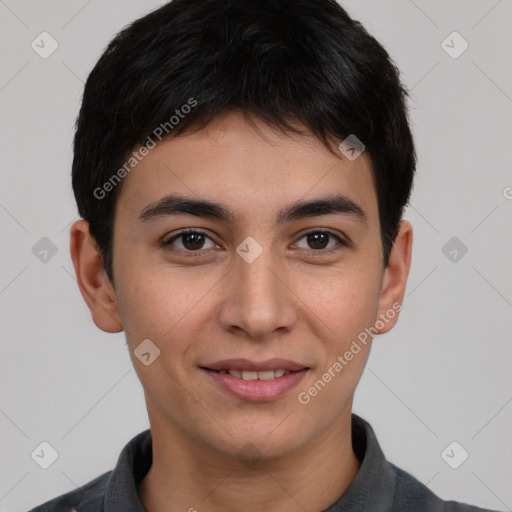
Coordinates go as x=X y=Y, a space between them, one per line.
x=411 y=494
x=88 y=498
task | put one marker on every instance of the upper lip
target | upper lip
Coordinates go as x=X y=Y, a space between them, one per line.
x=246 y=365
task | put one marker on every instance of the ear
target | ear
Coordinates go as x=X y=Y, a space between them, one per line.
x=92 y=279
x=394 y=279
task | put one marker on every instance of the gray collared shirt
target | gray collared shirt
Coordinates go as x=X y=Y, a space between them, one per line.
x=379 y=486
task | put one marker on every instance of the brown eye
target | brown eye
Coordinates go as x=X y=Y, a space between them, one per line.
x=319 y=241
x=188 y=241
x=192 y=241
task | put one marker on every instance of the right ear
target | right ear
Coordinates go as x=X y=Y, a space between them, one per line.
x=92 y=279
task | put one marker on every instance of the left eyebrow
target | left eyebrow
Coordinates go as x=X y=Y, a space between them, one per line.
x=176 y=205
x=337 y=204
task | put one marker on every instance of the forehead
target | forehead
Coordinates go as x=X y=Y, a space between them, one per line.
x=252 y=166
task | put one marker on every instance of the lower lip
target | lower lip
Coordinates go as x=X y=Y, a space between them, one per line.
x=257 y=390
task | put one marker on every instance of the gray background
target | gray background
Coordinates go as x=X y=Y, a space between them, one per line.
x=442 y=375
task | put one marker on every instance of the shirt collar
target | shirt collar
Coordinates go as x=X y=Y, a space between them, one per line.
x=132 y=466
x=372 y=489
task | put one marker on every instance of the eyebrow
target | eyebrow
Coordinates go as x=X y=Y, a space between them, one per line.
x=176 y=205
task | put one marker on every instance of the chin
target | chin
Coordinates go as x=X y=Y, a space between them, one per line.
x=265 y=441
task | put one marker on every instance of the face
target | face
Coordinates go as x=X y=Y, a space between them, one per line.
x=248 y=279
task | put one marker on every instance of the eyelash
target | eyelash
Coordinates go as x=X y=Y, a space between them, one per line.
x=167 y=244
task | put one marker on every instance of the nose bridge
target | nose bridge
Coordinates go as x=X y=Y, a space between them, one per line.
x=258 y=279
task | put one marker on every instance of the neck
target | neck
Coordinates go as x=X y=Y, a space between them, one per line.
x=186 y=477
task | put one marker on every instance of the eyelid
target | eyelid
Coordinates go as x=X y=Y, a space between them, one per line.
x=186 y=232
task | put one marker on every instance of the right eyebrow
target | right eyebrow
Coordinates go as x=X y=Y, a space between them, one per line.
x=175 y=205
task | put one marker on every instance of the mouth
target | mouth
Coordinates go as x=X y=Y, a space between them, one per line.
x=256 y=381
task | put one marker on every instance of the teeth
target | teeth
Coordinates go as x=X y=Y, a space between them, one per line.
x=249 y=375
x=266 y=375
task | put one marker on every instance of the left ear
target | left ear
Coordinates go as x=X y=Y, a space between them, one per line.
x=395 y=276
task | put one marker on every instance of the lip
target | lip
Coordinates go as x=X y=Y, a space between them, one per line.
x=245 y=364
x=257 y=390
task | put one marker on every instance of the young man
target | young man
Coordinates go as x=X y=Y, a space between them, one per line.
x=241 y=168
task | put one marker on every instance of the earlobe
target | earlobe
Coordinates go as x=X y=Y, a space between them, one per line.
x=92 y=279
x=395 y=276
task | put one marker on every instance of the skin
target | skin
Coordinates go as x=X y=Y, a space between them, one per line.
x=294 y=302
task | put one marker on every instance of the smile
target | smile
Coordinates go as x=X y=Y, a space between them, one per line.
x=255 y=381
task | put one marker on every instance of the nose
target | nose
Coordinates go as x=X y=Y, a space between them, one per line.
x=258 y=300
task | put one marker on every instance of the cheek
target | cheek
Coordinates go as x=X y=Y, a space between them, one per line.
x=143 y=306
x=340 y=309
x=344 y=304
x=162 y=304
